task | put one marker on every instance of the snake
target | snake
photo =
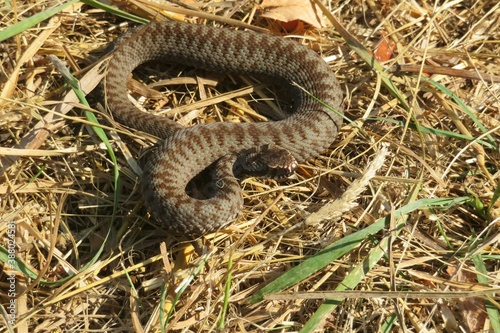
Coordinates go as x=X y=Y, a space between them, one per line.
x=233 y=150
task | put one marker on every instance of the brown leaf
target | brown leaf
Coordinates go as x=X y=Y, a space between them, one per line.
x=385 y=49
x=292 y=10
x=472 y=309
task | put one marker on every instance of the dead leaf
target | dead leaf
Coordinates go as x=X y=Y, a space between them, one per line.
x=292 y=10
x=472 y=309
x=385 y=49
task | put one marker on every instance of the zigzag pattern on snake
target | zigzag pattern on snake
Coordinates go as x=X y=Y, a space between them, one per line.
x=184 y=152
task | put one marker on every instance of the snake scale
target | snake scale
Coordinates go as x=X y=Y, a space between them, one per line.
x=184 y=152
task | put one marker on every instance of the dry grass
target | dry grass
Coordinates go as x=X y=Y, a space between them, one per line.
x=83 y=269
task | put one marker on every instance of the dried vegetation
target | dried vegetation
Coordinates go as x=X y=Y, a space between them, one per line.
x=82 y=268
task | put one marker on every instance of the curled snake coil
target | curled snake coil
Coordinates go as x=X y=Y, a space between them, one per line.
x=184 y=152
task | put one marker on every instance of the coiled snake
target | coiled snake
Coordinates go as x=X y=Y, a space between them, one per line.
x=185 y=152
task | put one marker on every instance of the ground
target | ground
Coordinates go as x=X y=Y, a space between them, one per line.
x=393 y=229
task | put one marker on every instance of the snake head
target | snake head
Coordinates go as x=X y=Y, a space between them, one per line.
x=266 y=160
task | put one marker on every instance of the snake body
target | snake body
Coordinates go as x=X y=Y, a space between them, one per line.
x=185 y=152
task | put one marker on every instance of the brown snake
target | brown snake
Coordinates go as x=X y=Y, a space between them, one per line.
x=185 y=152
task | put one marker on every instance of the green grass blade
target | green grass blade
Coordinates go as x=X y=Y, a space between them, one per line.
x=388 y=324
x=316 y=322
x=435 y=131
x=344 y=245
x=73 y=82
x=32 y=21
x=494 y=198
x=482 y=278
x=16 y=264
x=367 y=56
x=115 y=11
x=463 y=106
x=20 y=267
